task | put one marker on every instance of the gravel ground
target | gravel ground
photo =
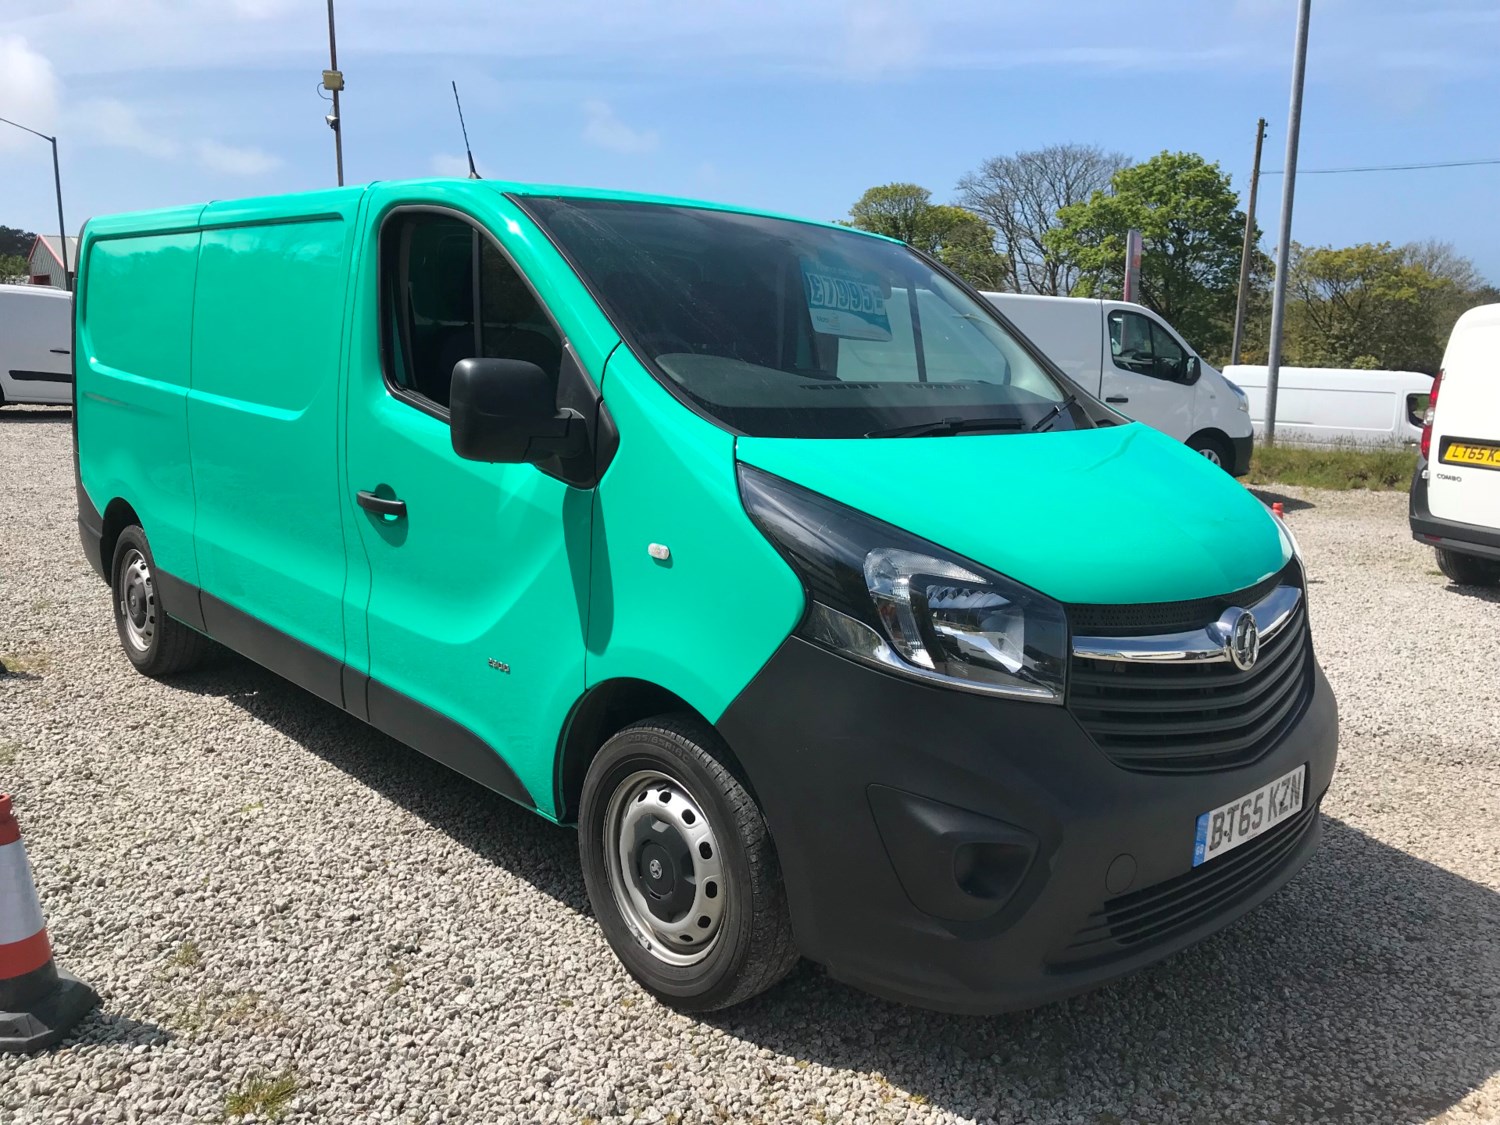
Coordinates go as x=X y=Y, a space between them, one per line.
x=277 y=903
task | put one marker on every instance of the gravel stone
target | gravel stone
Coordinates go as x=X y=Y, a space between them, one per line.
x=261 y=886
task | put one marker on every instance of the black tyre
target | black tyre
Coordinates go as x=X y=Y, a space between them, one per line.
x=156 y=643
x=680 y=868
x=1467 y=570
x=1214 y=448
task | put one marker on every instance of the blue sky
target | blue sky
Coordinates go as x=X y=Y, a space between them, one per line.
x=796 y=106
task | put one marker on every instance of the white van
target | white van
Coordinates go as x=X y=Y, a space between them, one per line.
x=1455 y=494
x=36 y=345
x=1133 y=360
x=1338 y=405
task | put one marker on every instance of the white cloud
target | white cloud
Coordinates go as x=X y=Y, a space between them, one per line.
x=112 y=123
x=882 y=37
x=28 y=92
x=235 y=161
x=604 y=129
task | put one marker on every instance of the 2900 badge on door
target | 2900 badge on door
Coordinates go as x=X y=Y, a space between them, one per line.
x=1228 y=826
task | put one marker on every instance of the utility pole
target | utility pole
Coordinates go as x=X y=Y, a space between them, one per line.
x=62 y=227
x=1288 y=190
x=1239 y=305
x=333 y=81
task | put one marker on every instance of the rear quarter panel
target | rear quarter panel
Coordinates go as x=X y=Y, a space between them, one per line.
x=134 y=308
x=1468 y=407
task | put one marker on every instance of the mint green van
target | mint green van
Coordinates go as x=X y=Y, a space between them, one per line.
x=841 y=624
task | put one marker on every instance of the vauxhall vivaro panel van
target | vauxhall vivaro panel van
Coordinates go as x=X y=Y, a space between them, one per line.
x=36 y=341
x=1455 y=494
x=762 y=550
x=1135 y=361
x=1341 y=407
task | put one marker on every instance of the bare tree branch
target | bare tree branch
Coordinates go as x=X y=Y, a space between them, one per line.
x=1020 y=196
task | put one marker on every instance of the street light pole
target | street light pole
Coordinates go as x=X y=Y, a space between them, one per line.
x=1249 y=248
x=62 y=227
x=334 y=81
x=1284 y=244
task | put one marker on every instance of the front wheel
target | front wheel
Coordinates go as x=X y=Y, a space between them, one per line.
x=680 y=867
x=1213 y=448
x=1467 y=570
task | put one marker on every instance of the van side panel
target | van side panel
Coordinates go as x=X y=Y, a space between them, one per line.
x=134 y=310
x=1068 y=330
x=263 y=421
x=703 y=622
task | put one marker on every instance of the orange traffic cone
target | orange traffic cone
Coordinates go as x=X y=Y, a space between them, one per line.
x=38 y=1001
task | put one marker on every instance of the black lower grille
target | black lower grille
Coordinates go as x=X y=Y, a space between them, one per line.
x=1182 y=717
x=1158 y=913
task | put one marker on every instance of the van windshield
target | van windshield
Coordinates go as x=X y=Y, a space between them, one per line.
x=778 y=328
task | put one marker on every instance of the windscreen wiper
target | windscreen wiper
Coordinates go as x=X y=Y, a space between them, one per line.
x=1046 y=420
x=948 y=426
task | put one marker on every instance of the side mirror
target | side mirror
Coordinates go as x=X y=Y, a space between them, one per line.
x=1192 y=370
x=1416 y=409
x=505 y=411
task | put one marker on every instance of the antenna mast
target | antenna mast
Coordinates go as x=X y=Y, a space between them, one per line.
x=473 y=172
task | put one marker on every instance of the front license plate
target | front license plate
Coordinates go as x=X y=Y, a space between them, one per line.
x=1475 y=453
x=1228 y=826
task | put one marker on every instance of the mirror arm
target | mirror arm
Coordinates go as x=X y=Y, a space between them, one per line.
x=568 y=438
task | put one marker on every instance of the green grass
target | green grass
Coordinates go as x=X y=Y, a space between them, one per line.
x=267 y=1098
x=187 y=956
x=34 y=663
x=1380 y=470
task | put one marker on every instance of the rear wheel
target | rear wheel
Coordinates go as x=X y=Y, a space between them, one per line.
x=1212 y=447
x=680 y=868
x=156 y=643
x=1467 y=570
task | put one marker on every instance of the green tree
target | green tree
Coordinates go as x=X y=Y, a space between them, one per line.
x=12 y=265
x=959 y=239
x=1375 y=305
x=1193 y=228
x=15 y=241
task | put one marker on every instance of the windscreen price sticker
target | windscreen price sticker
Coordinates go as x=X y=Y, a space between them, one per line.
x=845 y=303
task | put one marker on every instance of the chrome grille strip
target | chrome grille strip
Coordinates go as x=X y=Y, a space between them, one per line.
x=1205 y=646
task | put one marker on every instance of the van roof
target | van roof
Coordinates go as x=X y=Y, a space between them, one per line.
x=37 y=291
x=1040 y=297
x=1477 y=316
x=188 y=217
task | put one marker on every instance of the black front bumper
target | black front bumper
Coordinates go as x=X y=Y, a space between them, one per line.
x=956 y=851
x=1448 y=535
x=1244 y=448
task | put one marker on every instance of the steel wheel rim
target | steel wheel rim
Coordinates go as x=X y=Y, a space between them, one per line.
x=1213 y=456
x=137 y=601
x=654 y=817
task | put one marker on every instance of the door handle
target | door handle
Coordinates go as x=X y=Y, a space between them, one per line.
x=380 y=505
x=1118 y=398
x=58 y=351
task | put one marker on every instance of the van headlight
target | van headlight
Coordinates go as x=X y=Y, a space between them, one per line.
x=889 y=599
x=1241 y=399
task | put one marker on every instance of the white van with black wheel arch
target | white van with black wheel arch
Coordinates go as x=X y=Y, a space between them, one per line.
x=36 y=345
x=1134 y=360
x=1455 y=494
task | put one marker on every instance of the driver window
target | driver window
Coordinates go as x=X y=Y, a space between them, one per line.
x=1171 y=360
x=1137 y=343
x=450 y=294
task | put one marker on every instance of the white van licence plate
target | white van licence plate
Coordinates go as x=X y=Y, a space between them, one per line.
x=1228 y=826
